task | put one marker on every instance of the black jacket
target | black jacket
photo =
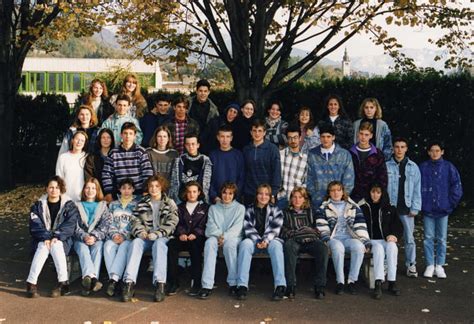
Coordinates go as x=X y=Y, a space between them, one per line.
x=389 y=220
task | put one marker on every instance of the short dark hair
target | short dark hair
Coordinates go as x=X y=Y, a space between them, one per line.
x=433 y=143
x=128 y=125
x=229 y=185
x=294 y=128
x=191 y=135
x=123 y=97
x=225 y=128
x=259 y=123
x=203 y=83
x=400 y=139
x=126 y=181
x=181 y=99
x=327 y=129
x=163 y=97
x=60 y=181
x=275 y=102
x=190 y=184
x=164 y=183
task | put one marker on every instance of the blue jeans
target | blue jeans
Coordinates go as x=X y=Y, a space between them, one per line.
x=382 y=249
x=338 y=249
x=159 y=252
x=410 y=244
x=115 y=256
x=435 y=229
x=90 y=257
x=275 y=249
x=210 y=254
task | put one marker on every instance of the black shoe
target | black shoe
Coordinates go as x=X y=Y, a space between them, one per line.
x=31 y=290
x=393 y=289
x=378 y=289
x=279 y=293
x=351 y=288
x=128 y=291
x=204 y=293
x=290 y=292
x=111 y=287
x=232 y=290
x=241 y=293
x=172 y=288
x=86 y=284
x=61 y=289
x=96 y=285
x=160 y=292
x=194 y=291
x=339 y=289
x=319 y=292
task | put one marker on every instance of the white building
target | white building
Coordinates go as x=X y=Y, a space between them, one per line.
x=346 y=64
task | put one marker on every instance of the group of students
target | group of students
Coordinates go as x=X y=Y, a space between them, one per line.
x=263 y=186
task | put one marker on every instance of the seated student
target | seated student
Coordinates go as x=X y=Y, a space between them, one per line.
x=70 y=165
x=119 y=234
x=156 y=217
x=85 y=120
x=129 y=160
x=275 y=126
x=227 y=164
x=97 y=98
x=224 y=226
x=161 y=152
x=131 y=88
x=342 y=226
x=189 y=236
x=53 y=219
x=370 y=111
x=369 y=163
x=156 y=117
x=191 y=166
x=90 y=233
x=384 y=227
x=300 y=235
x=120 y=117
x=95 y=162
x=181 y=124
x=262 y=225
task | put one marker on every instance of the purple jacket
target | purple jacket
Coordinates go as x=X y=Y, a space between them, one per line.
x=194 y=223
x=372 y=170
x=441 y=188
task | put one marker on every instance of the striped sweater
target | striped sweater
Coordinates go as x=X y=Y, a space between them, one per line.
x=273 y=224
x=326 y=221
x=120 y=164
x=167 y=220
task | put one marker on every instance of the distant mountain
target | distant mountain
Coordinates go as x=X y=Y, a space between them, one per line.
x=107 y=37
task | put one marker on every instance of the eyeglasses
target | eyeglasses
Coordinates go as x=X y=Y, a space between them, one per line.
x=293 y=138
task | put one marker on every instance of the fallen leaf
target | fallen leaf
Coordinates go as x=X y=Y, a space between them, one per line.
x=268 y=319
x=134 y=300
x=432 y=281
x=236 y=305
x=456 y=258
x=425 y=310
x=437 y=291
x=423 y=287
x=465 y=271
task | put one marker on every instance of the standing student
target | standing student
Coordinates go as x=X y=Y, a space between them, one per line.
x=309 y=131
x=384 y=228
x=131 y=88
x=161 y=152
x=262 y=164
x=369 y=163
x=342 y=226
x=98 y=99
x=294 y=167
x=404 y=190
x=223 y=229
x=53 y=219
x=441 y=191
x=191 y=166
x=300 y=235
x=181 y=124
x=275 y=125
x=242 y=135
x=158 y=116
x=129 y=160
x=371 y=111
x=334 y=115
x=328 y=162
x=189 y=236
x=85 y=120
x=230 y=119
x=90 y=233
x=119 y=234
x=120 y=117
x=262 y=226
x=95 y=162
x=70 y=165
x=227 y=164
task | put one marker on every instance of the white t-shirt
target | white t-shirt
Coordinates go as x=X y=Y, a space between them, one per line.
x=70 y=167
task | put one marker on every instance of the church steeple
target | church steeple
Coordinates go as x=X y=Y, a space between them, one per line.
x=346 y=64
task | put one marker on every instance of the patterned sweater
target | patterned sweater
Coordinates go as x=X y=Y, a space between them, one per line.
x=144 y=222
x=273 y=224
x=121 y=218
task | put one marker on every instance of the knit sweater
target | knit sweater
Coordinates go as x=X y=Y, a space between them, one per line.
x=225 y=220
x=276 y=132
x=226 y=166
x=273 y=224
x=194 y=223
x=115 y=122
x=298 y=223
x=70 y=167
x=120 y=164
x=343 y=129
x=162 y=161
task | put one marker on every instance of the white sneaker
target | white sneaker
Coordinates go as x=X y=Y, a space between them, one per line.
x=439 y=272
x=411 y=271
x=429 y=271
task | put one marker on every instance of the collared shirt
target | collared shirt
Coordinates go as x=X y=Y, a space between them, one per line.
x=327 y=152
x=180 y=132
x=294 y=167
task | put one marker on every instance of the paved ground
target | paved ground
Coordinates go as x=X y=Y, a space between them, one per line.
x=450 y=300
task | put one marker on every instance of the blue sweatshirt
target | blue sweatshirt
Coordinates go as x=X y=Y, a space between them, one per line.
x=226 y=166
x=226 y=220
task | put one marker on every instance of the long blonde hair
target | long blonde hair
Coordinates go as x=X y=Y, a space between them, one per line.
x=137 y=99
